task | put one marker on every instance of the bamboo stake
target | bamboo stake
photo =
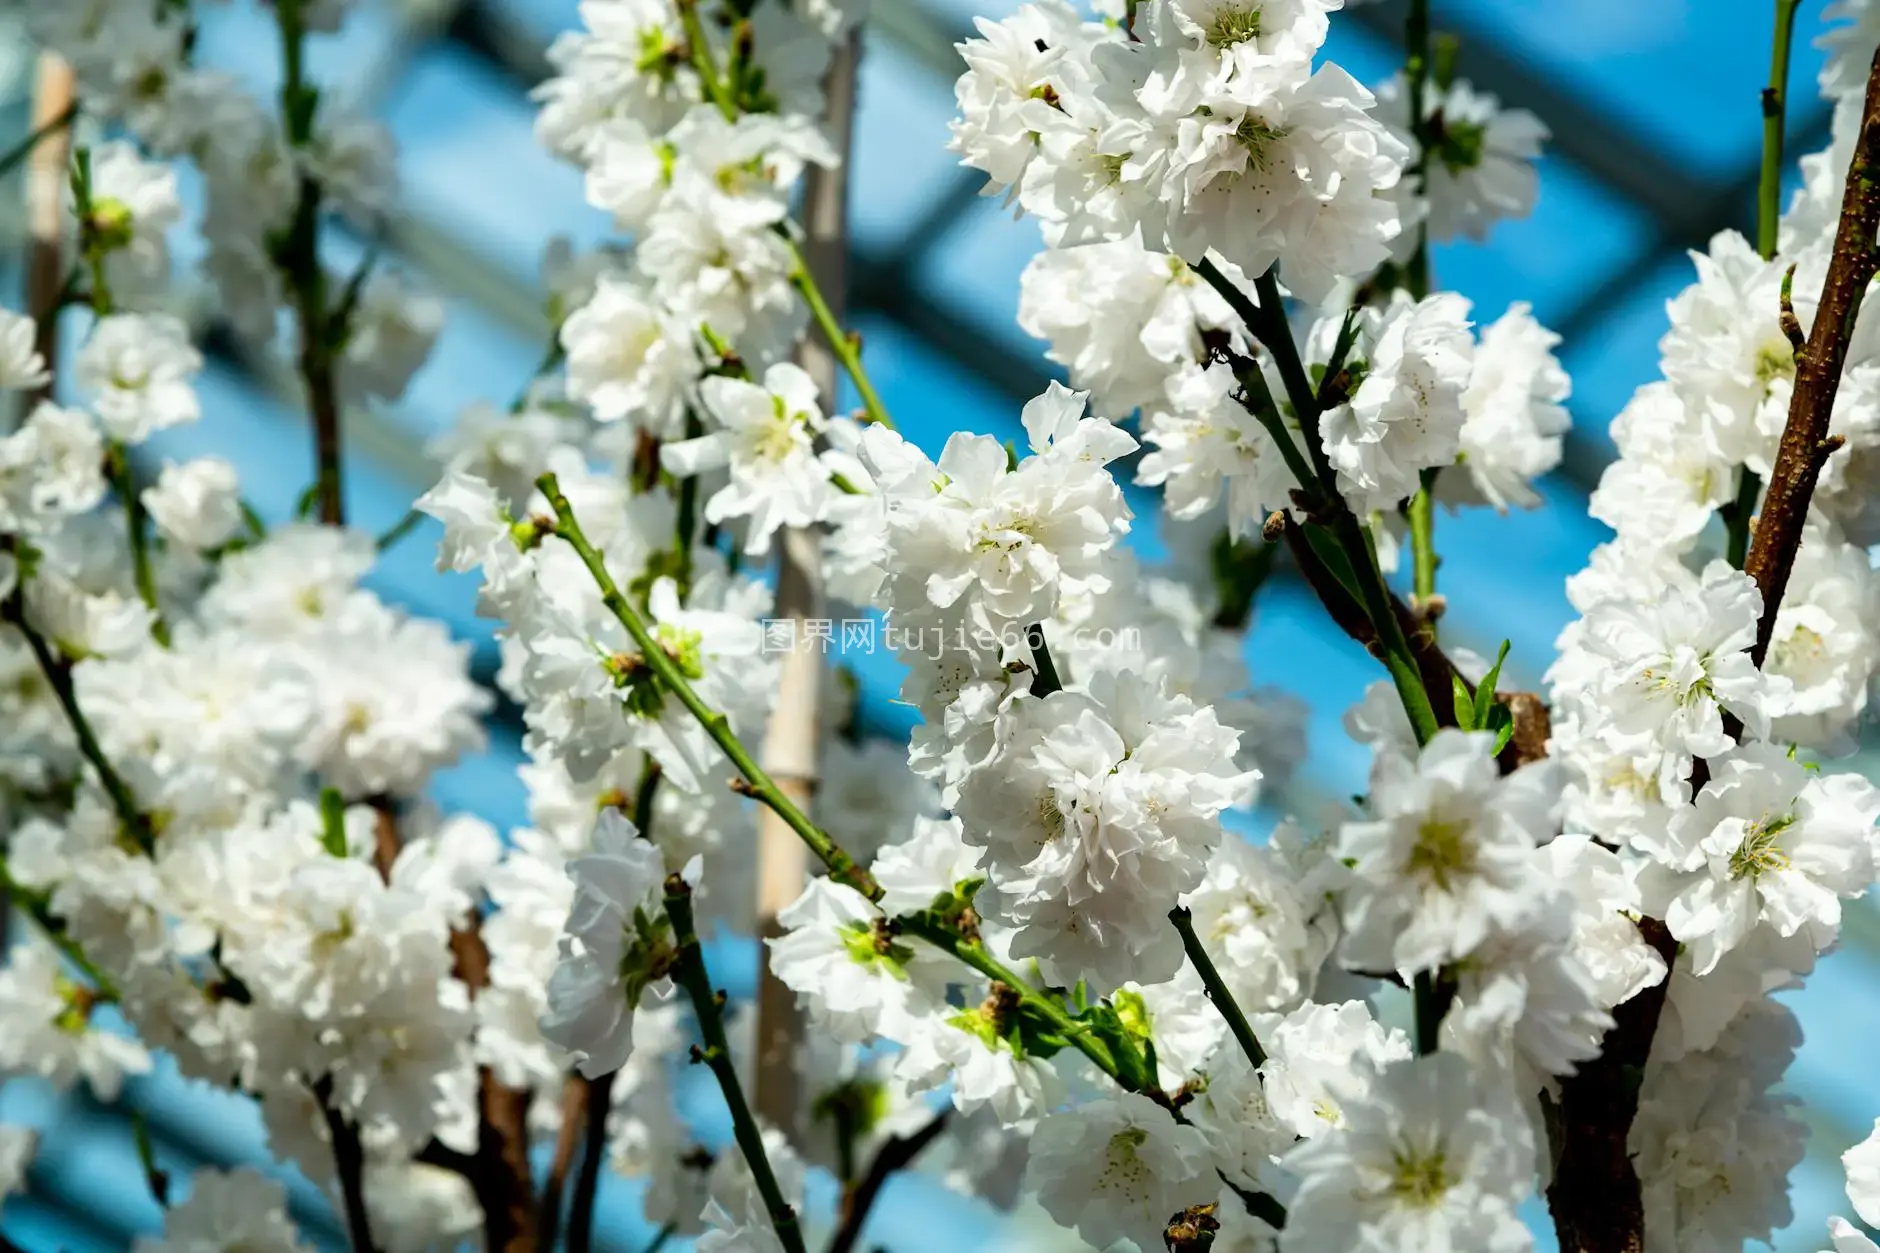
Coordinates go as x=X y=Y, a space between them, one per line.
x=53 y=96
x=790 y=743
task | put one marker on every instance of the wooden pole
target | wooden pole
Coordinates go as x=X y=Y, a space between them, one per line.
x=790 y=744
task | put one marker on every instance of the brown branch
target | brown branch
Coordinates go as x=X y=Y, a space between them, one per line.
x=498 y=1170
x=385 y=841
x=574 y=1104
x=897 y=1154
x=1595 y=1197
x=499 y=1174
x=587 y=1183
x=1806 y=444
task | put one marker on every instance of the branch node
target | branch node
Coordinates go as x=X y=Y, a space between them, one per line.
x=1791 y=325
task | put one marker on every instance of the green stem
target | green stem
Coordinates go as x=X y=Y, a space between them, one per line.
x=841 y=866
x=23 y=149
x=840 y=342
x=136 y=822
x=1775 y=99
x=1417 y=76
x=1218 y=991
x=552 y=356
x=1270 y=327
x=35 y=906
x=974 y=953
x=701 y=53
x=299 y=260
x=689 y=972
x=1423 y=559
x=399 y=530
x=1775 y=103
x=117 y=461
x=1267 y=322
x=758 y=782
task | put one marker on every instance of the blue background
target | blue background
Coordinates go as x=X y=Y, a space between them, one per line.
x=1656 y=127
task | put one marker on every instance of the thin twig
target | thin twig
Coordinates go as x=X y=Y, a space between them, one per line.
x=1266 y=322
x=58 y=675
x=1417 y=79
x=349 y=1164
x=897 y=1154
x=137 y=526
x=299 y=260
x=660 y=1238
x=1805 y=443
x=841 y=866
x=842 y=343
x=708 y=1004
x=587 y=1180
x=1218 y=991
x=42 y=130
x=575 y=1091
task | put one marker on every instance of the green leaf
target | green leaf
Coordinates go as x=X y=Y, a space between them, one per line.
x=1501 y=722
x=1133 y=1068
x=252 y=520
x=333 y=821
x=303 y=507
x=1465 y=704
x=1485 y=691
x=158 y=1179
x=1331 y=555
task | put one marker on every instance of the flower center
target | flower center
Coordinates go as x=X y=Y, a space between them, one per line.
x=1421 y=1179
x=1761 y=849
x=1234 y=26
x=1798 y=648
x=1258 y=138
x=1123 y=1167
x=1050 y=819
x=1774 y=361
x=1442 y=852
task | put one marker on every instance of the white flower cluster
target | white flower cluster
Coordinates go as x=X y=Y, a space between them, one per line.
x=1705 y=770
x=1204 y=138
x=1040 y=917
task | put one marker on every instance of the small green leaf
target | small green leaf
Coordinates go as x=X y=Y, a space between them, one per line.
x=1501 y=722
x=303 y=507
x=333 y=821
x=1465 y=704
x=1485 y=691
x=158 y=1179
